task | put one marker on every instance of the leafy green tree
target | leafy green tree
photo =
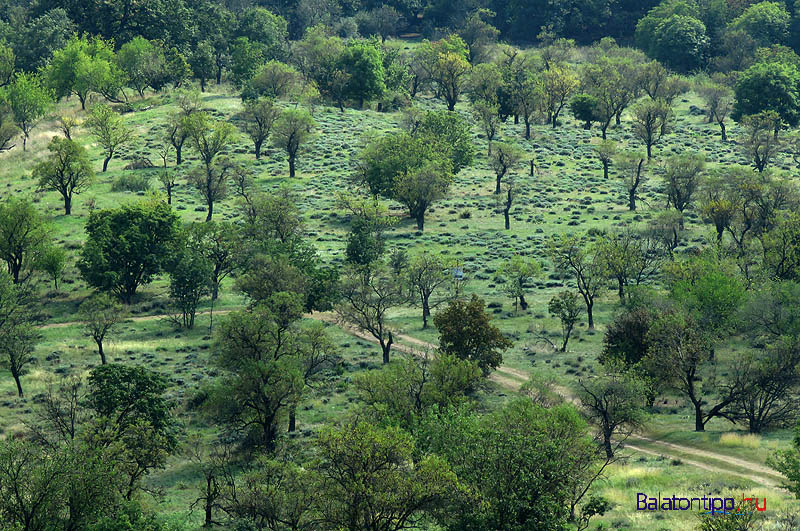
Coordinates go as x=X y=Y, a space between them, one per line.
x=615 y=402
x=651 y=121
x=292 y=130
x=30 y=485
x=465 y=331
x=110 y=129
x=421 y=187
x=267 y=29
x=505 y=158
x=189 y=281
x=488 y=116
x=681 y=42
x=259 y=117
x=362 y=60
x=761 y=142
x=769 y=87
x=100 y=314
x=571 y=257
x=37 y=38
x=630 y=172
x=67 y=170
x=8 y=129
x=29 y=100
x=449 y=67
x=522 y=462
x=787 y=462
x=720 y=101
x=18 y=335
x=24 y=238
x=83 y=66
x=479 y=35
x=611 y=81
x=518 y=272
x=127 y=246
x=606 y=151
x=53 y=262
x=558 y=84
x=132 y=419
x=135 y=58
x=682 y=177
x=450 y=135
x=585 y=108
x=7 y=63
x=219 y=243
x=209 y=138
x=273 y=80
x=201 y=61
x=246 y=57
x=366 y=475
x=766 y=22
x=565 y=306
x=629 y=258
x=258 y=350
x=428 y=276
x=367 y=295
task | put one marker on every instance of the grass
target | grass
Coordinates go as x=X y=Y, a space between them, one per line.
x=568 y=195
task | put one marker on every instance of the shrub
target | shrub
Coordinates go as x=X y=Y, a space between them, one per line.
x=131 y=183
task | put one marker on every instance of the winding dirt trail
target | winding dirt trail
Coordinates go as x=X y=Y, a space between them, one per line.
x=513 y=379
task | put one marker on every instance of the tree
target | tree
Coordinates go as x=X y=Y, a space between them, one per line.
x=518 y=272
x=362 y=61
x=523 y=461
x=218 y=242
x=420 y=188
x=487 y=115
x=127 y=246
x=29 y=100
x=678 y=352
x=110 y=130
x=681 y=42
x=606 y=151
x=766 y=22
x=761 y=142
x=136 y=58
x=18 y=336
x=585 y=108
x=210 y=137
x=201 y=61
x=366 y=476
x=383 y=21
x=449 y=134
x=427 y=275
x=8 y=129
x=189 y=281
x=30 y=485
x=367 y=295
x=611 y=81
x=24 y=238
x=7 y=63
x=67 y=170
x=465 y=331
x=479 y=35
x=571 y=257
x=615 y=402
x=565 y=307
x=53 y=262
x=651 y=121
x=273 y=80
x=558 y=84
x=787 y=462
x=292 y=130
x=83 y=66
x=720 y=102
x=259 y=116
x=682 y=177
x=449 y=68
x=629 y=259
x=260 y=351
x=526 y=94
x=132 y=421
x=769 y=86
x=100 y=314
x=504 y=158
x=630 y=170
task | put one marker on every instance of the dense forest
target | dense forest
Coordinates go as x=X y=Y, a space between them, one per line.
x=383 y=265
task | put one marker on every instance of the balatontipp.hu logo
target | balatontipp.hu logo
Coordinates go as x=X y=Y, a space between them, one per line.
x=707 y=504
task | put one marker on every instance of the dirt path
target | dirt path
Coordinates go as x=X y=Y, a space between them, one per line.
x=513 y=379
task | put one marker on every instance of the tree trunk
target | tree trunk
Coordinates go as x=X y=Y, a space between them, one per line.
x=387 y=346
x=532 y=168
x=100 y=351
x=291 y=165
x=605 y=170
x=522 y=302
x=451 y=104
x=210 y=210
x=105 y=162
x=508 y=221
x=426 y=312
x=724 y=132
x=497 y=185
x=618 y=117
x=292 y=418
x=209 y=502
x=589 y=306
x=516 y=119
x=15 y=374
x=527 y=129
x=178 y=158
x=632 y=199
x=621 y=288
x=607 y=443
x=698 y=417
x=420 y=220
x=83 y=103
x=67 y=205
x=24 y=142
x=649 y=151
x=202 y=84
x=258 y=148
